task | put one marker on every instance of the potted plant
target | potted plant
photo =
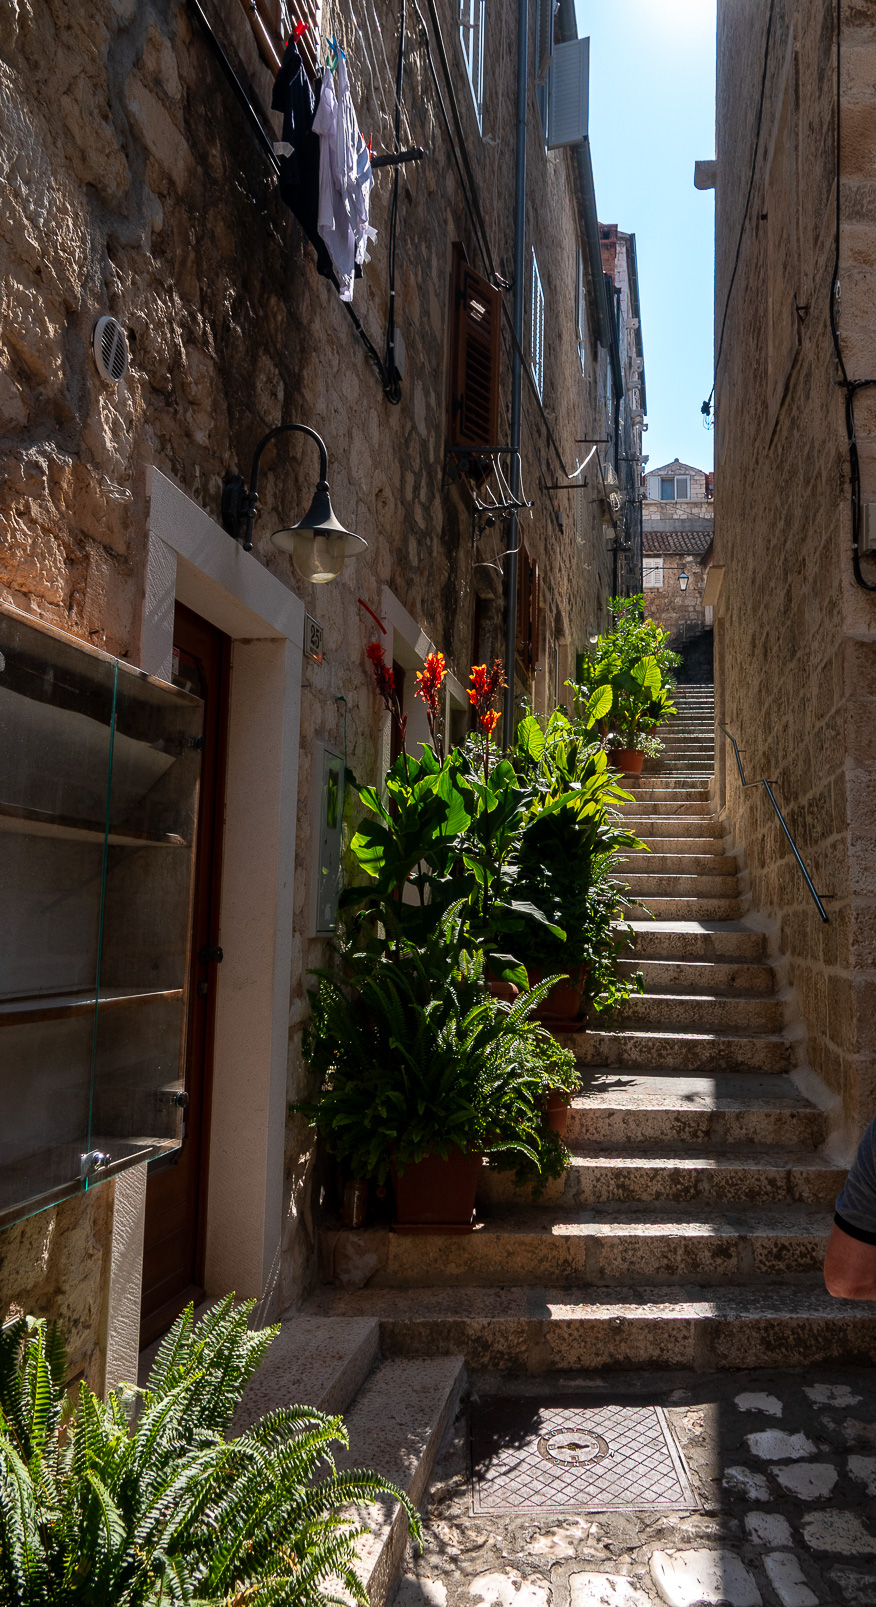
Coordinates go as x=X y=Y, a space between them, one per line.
x=628 y=684
x=423 y=1074
x=570 y=835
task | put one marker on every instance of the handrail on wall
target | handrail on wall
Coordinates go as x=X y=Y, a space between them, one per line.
x=762 y=783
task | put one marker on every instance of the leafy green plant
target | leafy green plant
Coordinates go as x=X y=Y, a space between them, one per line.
x=97 y=1511
x=627 y=683
x=415 y=1058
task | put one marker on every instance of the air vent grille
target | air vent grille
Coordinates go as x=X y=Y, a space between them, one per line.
x=110 y=350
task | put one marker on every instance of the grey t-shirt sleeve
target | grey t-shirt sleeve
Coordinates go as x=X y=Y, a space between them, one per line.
x=856 y=1206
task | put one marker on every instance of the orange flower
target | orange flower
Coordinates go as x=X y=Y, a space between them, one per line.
x=488 y=721
x=430 y=678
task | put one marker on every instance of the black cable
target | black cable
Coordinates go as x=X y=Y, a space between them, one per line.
x=707 y=405
x=393 y=390
x=851 y=386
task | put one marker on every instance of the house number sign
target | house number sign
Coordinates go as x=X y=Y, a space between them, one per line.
x=313 y=639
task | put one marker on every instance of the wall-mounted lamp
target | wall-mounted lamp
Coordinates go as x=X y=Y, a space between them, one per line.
x=683 y=580
x=318 y=543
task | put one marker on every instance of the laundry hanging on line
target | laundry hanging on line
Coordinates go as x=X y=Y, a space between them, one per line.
x=325 y=167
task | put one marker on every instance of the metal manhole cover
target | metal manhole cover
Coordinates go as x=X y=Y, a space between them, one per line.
x=563 y=1456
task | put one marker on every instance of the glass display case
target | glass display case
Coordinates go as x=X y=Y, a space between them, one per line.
x=99 y=772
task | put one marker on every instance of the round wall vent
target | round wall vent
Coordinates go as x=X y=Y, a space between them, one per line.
x=110 y=349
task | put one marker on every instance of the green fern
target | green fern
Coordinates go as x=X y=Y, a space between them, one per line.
x=96 y=1511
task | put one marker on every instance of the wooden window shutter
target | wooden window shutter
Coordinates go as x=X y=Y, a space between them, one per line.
x=475 y=332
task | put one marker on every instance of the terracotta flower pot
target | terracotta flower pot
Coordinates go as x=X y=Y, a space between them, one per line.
x=435 y=1195
x=629 y=760
x=506 y=991
x=556 y=1111
x=564 y=1005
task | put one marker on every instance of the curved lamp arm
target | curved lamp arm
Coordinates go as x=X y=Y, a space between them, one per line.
x=239 y=505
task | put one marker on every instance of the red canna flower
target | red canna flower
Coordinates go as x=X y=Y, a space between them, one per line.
x=489 y=720
x=485 y=686
x=430 y=678
x=384 y=681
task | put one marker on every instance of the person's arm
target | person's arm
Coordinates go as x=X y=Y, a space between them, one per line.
x=850 y=1266
x=850 y=1259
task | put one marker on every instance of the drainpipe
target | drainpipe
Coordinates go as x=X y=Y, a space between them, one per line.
x=516 y=363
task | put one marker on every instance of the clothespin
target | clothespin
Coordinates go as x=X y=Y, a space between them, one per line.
x=370 y=138
x=337 y=49
x=300 y=28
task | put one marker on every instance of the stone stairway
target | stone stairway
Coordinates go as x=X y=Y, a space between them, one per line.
x=689 y=1228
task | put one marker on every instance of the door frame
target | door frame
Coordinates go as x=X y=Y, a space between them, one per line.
x=192 y=560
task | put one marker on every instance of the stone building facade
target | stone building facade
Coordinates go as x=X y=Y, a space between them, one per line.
x=138 y=183
x=795 y=641
x=677 y=531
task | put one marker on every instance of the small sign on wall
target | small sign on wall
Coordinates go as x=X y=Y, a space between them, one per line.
x=329 y=773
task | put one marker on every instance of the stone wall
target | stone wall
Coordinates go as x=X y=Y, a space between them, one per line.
x=133 y=185
x=57 y=1265
x=796 y=637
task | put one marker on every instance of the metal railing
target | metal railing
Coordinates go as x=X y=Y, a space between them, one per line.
x=794 y=850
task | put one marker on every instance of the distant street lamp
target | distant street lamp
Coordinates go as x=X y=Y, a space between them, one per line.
x=683 y=580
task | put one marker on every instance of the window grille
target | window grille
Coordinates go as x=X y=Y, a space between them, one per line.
x=536 y=339
x=471 y=34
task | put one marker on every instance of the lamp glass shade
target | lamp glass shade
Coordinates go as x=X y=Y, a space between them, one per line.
x=319 y=544
x=683 y=580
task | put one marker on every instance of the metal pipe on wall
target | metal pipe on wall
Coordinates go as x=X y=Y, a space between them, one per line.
x=516 y=364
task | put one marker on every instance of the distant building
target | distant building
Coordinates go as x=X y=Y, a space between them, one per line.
x=677 y=532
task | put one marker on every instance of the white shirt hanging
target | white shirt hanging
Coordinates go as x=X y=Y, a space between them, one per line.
x=345 y=179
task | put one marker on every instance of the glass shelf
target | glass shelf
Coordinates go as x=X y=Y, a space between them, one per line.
x=100 y=762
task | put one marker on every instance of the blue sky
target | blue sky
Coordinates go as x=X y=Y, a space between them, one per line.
x=652 y=114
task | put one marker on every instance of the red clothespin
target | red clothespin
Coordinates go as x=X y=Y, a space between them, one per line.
x=300 y=28
x=370 y=138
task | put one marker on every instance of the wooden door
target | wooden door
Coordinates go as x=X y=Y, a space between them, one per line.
x=173 y=1250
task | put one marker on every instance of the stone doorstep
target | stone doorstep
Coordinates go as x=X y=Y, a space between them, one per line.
x=681 y=1245
x=710 y=976
x=538 y=1330
x=396 y=1425
x=313 y=1361
x=674 y=1049
x=736 y=1012
x=746 y=1174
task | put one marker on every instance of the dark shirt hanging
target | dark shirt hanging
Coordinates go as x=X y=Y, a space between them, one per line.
x=299 y=173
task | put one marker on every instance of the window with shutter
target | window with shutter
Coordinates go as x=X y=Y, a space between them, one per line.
x=474 y=358
x=471 y=34
x=528 y=603
x=536 y=341
x=273 y=23
x=569 y=93
x=652 y=572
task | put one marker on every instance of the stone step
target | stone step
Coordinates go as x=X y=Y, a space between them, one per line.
x=708 y=976
x=396 y=1425
x=691 y=910
x=683 y=864
x=662 y=789
x=312 y=1362
x=538 y=1330
x=625 y=1107
x=700 y=1012
x=607 y=1245
x=677 y=884
x=666 y=843
x=673 y=827
x=729 y=941
x=753 y=1174
x=674 y=1048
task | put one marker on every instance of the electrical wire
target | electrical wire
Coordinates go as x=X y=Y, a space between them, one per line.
x=707 y=405
x=850 y=386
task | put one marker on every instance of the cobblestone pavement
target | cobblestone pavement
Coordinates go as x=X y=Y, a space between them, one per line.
x=783 y=1466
